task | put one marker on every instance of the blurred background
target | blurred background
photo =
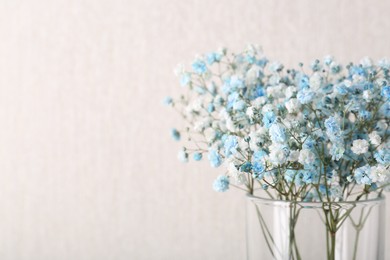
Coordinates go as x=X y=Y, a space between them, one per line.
x=87 y=166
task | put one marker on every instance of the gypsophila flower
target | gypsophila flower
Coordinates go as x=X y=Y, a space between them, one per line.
x=214 y=158
x=221 y=184
x=175 y=134
x=382 y=156
x=268 y=119
x=277 y=133
x=197 y=156
x=359 y=146
x=375 y=138
x=306 y=156
x=183 y=155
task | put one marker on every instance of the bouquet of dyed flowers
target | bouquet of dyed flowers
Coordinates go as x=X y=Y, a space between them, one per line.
x=303 y=135
x=318 y=135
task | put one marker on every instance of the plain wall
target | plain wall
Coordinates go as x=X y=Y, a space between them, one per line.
x=87 y=166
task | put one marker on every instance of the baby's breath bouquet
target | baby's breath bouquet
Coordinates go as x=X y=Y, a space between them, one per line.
x=315 y=133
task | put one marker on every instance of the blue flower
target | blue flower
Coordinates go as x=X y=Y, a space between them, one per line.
x=258 y=167
x=385 y=109
x=262 y=62
x=197 y=156
x=303 y=82
x=332 y=126
x=309 y=143
x=210 y=108
x=364 y=115
x=337 y=151
x=268 y=119
x=289 y=175
x=258 y=155
x=362 y=175
x=342 y=89
x=199 y=66
x=232 y=98
x=258 y=92
x=213 y=57
x=310 y=177
x=230 y=145
x=175 y=134
x=386 y=92
x=382 y=156
x=239 y=105
x=185 y=79
x=277 y=133
x=246 y=167
x=221 y=184
x=168 y=101
x=214 y=158
x=305 y=96
x=250 y=59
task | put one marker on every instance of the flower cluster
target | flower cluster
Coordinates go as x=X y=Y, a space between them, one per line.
x=315 y=135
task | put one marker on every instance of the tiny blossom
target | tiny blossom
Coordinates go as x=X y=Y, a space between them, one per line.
x=362 y=175
x=168 y=101
x=175 y=134
x=292 y=105
x=386 y=92
x=382 y=156
x=197 y=156
x=306 y=156
x=375 y=138
x=268 y=119
x=214 y=158
x=231 y=145
x=305 y=96
x=277 y=133
x=250 y=112
x=199 y=66
x=183 y=155
x=359 y=146
x=221 y=184
x=279 y=154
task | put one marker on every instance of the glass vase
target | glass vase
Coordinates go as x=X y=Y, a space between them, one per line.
x=287 y=230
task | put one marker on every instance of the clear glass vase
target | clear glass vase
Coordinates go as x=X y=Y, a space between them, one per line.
x=287 y=230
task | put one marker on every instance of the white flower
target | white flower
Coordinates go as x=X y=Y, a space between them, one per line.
x=290 y=91
x=379 y=173
x=209 y=134
x=315 y=81
x=238 y=176
x=278 y=154
x=292 y=105
x=359 y=146
x=259 y=102
x=367 y=95
x=267 y=108
x=366 y=62
x=252 y=75
x=384 y=63
x=293 y=156
x=230 y=125
x=375 y=138
x=179 y=69
x=306 y=157
x=250 y=112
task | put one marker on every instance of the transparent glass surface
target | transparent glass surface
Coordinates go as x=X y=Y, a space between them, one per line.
x=307 y=230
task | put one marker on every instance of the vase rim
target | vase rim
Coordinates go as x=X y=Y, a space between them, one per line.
x=281 y=202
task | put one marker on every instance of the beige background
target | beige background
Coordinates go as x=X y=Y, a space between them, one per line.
x=87 y=166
